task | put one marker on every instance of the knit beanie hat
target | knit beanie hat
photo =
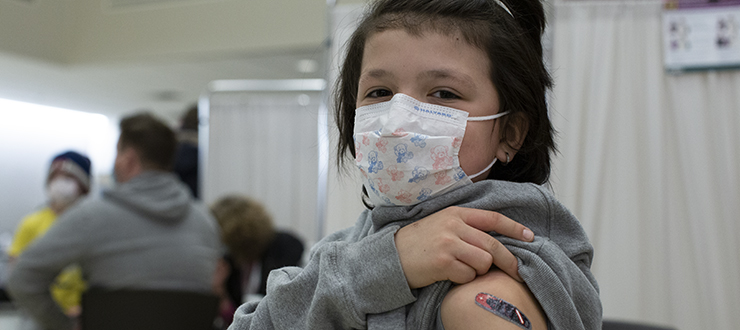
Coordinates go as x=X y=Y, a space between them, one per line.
x=74 y=164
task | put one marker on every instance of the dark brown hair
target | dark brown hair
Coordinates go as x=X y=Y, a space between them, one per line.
x=513 y=46
x=190 y=118
x=246 y=227
x=153 y=141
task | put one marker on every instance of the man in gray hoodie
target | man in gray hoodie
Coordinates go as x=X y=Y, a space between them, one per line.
x=146 y=233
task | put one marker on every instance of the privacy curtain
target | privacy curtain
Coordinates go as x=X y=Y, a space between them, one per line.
x=264 y=145
x=650 y=164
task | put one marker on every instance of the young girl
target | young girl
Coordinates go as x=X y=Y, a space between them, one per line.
x=442 y=105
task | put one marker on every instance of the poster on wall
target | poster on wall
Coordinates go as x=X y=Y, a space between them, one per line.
x=701 y=34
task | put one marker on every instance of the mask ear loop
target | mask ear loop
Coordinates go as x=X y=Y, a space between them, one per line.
x=491 y=117
x=471 y=177
x=484 y=118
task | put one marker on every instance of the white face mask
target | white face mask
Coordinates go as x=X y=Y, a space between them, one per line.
x=408 y=151
x=63 y=191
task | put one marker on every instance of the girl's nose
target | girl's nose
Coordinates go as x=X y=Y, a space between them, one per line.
x=416 y=95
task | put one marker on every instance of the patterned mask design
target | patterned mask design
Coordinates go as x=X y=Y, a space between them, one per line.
x=408 y=151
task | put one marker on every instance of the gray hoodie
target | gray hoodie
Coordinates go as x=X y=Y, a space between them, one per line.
x=145 y=233
x=354 y=278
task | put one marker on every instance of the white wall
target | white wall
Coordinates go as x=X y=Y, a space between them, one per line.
x=344 y=202
x=30 y=136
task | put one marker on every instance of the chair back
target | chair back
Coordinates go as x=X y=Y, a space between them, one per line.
x=148 y=310
x=620 y=325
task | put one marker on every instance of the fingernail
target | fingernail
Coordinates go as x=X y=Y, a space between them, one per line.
x=528 y=234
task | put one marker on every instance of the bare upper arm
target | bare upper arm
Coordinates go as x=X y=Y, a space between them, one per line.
x=460 y=311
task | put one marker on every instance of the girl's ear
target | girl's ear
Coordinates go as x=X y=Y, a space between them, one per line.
x=515 y=128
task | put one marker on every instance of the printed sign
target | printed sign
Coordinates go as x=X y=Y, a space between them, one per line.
x=701 y=34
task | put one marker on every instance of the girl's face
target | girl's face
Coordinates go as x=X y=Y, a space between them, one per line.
x=437 y=69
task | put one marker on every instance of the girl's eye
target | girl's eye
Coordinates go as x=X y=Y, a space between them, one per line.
x=380 y=93
x=444 y=94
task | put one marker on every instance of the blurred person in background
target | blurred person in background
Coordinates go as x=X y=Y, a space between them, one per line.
x=67 y=181
x=255 y=248
x=186 y=157
x=146 y=233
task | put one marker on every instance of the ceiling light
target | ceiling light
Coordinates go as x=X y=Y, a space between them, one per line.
x=307 y=66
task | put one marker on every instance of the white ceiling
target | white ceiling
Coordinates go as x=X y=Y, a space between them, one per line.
x=71 y=54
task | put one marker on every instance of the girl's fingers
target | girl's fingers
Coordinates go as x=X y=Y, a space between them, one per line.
x=493 y=221
x=499 y=254
x=473 y=255
x=460 y=272
x=477 y=239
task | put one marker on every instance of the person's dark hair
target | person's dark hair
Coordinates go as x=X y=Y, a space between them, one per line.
x=190 y=118
x=513 y=45
x=153 y=141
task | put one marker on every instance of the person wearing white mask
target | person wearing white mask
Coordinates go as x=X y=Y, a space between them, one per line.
x=68 y=181
x=147 y=232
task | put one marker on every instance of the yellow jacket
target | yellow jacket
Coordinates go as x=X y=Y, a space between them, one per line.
x=68 y=286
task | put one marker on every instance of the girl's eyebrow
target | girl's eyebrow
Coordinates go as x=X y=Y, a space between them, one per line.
x=376 y=74
x=457 y=77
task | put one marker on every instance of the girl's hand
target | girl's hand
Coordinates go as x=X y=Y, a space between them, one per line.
x=453 y=244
